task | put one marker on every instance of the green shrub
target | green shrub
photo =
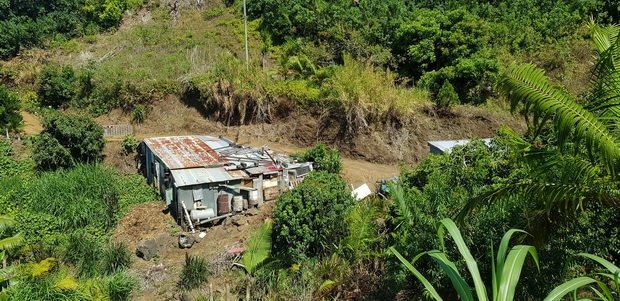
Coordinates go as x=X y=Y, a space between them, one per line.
x=81 y=136
x=56 y=86
x=115 y=257
x=10 y=119
x=194 y=272
x=139 y=114
x=129 y=144
x=121 y=286
x=310 y=219
x=327 y=160
x=446 y=96
x=49 y=154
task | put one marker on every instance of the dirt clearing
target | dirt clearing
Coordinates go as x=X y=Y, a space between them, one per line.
x=32 y=125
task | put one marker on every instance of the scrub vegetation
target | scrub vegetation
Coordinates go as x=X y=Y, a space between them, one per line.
x=546 y=198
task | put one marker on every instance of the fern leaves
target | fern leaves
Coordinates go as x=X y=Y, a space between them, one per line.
x=573 y=124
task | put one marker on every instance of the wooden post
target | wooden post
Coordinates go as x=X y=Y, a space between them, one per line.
x=210 y=291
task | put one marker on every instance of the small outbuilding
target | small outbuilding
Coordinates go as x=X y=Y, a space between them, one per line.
x=445 y=146
x=205 y=178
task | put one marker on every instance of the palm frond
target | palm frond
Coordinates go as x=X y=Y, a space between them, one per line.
x=605 y=95
x=607 y=45
x=11 y=242
x=528 y=85
x=6 y=222
x=258 y=248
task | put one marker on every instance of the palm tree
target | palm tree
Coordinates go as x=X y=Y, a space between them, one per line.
x=580 y=165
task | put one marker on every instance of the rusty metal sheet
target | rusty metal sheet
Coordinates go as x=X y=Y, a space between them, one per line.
x=238 y=173
x=184 y=152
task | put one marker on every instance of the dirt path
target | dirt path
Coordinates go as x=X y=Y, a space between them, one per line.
x=32 y=125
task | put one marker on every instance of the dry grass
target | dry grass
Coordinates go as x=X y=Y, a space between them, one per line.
x=370 y=95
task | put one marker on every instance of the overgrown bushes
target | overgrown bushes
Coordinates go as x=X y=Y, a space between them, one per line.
x=323 y=159
x=309 y=220
x=10 y=119
x=35 y=23
x=69 y=215
x=67 y=140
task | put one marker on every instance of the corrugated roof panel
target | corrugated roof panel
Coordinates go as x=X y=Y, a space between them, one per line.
x=260 y=170
x=238 y=173
x=215 y=143
x=447 y=145
x=193 y=176
x=184 y=152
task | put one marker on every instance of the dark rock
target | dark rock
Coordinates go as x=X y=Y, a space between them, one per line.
x=186 y=241
x=147 y=249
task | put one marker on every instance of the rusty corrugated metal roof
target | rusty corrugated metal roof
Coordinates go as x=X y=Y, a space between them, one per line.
x=184 y=152
x=237 y=173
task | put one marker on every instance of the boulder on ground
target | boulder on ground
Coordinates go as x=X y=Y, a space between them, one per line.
x=147 y=249
x=186 y=241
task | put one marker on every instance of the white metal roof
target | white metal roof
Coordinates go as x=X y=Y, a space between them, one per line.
x=447 y=145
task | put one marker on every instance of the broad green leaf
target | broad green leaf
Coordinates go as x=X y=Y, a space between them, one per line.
x=450 y=269
x=6 y=222
x=512 y=271
x=11 y=242
x=608 y=265
x=258 y=248
x=429 y=287
x=559 y=292
x=503 y=248
x=469 y=259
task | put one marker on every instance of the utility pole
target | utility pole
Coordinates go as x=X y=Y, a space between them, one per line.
x=245 y=33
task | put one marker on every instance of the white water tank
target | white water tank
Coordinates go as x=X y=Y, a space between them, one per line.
x=202 y=214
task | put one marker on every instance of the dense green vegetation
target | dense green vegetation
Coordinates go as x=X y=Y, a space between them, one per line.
x=355 y=65
x=39 y=23
x=461 y=42
x=63 y=220
x=10 y=119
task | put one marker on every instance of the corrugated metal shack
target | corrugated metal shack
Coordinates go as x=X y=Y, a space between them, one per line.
x=206 y=178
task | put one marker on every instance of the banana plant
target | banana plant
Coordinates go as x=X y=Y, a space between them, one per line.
x=257 y=252
x=505 y=271
x=8 y=278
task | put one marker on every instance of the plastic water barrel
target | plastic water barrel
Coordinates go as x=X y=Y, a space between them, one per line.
x=245 y=204
x=237 y=203
x=223 y=206
x=253 y=198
